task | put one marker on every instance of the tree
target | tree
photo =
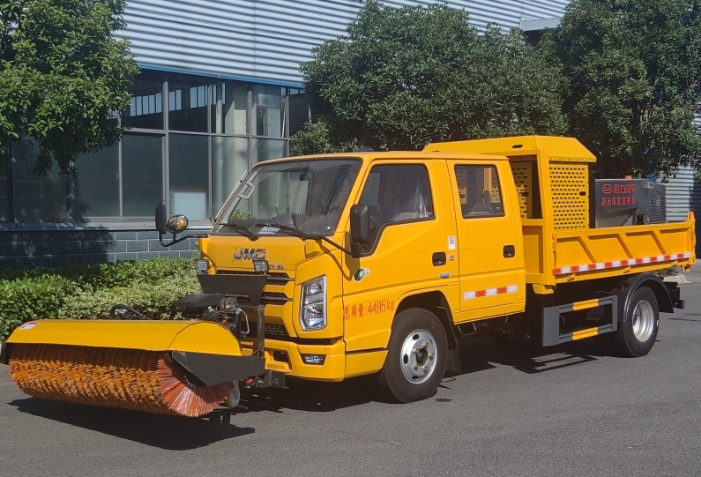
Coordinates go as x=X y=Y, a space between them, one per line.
x=62 y=76
x=314 y=138
x=403 y=77
x=633 y=68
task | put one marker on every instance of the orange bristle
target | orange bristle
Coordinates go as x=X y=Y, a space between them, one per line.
x=124 y=378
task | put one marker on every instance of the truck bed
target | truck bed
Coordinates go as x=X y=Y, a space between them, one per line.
x=587 y=254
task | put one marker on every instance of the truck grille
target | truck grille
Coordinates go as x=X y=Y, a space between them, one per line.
x=276 y=330
x=273 y=278
x=270 y=331
x=269 y=298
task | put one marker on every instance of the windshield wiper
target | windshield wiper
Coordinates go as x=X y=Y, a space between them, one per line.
x=304 y=236
x=242 y=230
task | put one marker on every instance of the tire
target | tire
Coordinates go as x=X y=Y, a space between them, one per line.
x=417 y=357
x=637 y=334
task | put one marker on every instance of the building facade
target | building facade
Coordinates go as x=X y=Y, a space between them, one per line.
x=220 y=90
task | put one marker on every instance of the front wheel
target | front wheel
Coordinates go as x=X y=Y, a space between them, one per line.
x=417 y=356
x=637 y=334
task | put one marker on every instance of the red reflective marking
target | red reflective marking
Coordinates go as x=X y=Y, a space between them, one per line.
x=501 y=290
x=479 y=293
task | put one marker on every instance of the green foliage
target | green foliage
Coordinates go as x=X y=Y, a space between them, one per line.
x=314 y=139
x=62 y=76
x=154 y=300
x=31 y=298
x=402 y=77
x=89 y=292
x=634 y=68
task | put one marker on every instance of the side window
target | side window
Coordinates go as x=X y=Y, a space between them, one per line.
x=396 y=194
x=480 y=195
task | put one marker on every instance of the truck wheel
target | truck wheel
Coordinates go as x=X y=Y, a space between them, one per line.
x=636 y=336
x=417 y=356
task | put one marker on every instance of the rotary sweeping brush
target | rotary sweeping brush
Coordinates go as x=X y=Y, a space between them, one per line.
x=129 y=379
x=184 y=368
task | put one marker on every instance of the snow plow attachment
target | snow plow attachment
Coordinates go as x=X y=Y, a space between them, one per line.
x=182 y=368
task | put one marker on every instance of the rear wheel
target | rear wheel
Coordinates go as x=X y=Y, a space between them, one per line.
x=417 y=356
x=637 y=334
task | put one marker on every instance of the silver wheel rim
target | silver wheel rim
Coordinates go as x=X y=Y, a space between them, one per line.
x=419 y=356
x=643 y=321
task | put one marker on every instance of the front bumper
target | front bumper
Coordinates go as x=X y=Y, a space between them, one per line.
x=333 y=369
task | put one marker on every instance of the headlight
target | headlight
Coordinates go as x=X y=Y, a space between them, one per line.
x=313 y=313
x=201 y=266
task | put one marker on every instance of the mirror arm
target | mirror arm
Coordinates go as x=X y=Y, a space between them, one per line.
x=179 y=239
x=338 y=246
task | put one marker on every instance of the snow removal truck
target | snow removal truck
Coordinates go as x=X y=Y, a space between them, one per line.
x=333 y=266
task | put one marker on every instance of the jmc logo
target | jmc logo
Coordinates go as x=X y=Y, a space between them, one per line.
x=250 y=254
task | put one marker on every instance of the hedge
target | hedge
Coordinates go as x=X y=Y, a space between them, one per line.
x=90 y=291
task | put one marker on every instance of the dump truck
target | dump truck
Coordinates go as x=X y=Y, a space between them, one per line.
x=333 y=266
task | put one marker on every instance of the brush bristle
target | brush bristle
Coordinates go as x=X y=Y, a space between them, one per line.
x=123 y=378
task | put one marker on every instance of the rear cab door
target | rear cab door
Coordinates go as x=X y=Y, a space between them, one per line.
x=490 y=242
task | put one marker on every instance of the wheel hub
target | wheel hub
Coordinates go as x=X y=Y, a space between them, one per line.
x=419 y=356
x=643 y=321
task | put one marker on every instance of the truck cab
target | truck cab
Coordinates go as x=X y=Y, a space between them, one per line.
x=444 y=237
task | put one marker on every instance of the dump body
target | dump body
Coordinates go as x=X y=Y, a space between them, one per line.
x=554 y=182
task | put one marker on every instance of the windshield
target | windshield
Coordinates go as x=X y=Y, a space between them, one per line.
x=306 y=195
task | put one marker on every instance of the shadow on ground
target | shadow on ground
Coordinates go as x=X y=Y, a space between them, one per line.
x=175 y=433
x=165 y=432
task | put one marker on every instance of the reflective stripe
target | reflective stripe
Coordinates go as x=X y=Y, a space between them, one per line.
x=620 y=263
x=588 y=333
x=490 y=292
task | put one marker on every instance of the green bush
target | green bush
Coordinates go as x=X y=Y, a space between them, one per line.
x=153 y=300
x=30 y=299
x=90 y=291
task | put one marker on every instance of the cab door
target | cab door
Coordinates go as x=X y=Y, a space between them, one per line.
x=490 y=244
x=408 y=252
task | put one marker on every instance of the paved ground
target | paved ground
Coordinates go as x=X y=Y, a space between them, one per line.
x=570 y=411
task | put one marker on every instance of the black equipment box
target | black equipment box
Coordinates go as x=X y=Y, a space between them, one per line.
x=628 y=202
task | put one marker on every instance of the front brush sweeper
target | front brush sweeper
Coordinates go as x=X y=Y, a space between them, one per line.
x=182 y=367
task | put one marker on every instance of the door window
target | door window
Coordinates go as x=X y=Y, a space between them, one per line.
x=478 y=188
x=397 y=194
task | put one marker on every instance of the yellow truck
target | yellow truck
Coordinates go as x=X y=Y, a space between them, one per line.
x=341 y=265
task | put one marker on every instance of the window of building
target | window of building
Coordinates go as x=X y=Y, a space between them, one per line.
x=142 y=171
x=97 y=184
x=479 y=191
x=145 y=109
x=229 y=108
x=187 y=103
x=299 y=110
x=188 y=173
x=229 y=163
x=268 y=110
x=4 y=192
x=396 y=194
x=215 y=130
x=37 y=199
x=264 y=149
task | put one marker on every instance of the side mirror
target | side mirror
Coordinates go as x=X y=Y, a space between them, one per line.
x=161 y=218
x=177 y=224
x=360 y=224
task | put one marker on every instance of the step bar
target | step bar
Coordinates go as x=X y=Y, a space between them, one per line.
x=551 y=320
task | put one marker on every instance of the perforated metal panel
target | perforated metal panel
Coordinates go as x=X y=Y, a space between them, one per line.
x=523 y=177
x=569 y=185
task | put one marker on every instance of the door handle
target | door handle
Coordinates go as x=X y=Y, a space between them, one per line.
x=438 y=258
x=509 y=251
